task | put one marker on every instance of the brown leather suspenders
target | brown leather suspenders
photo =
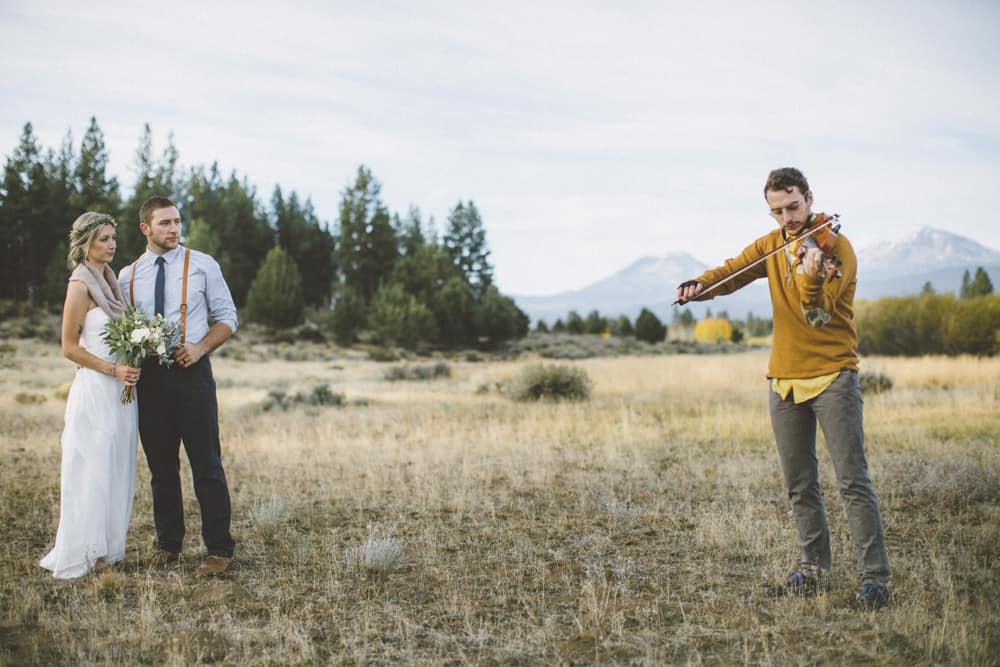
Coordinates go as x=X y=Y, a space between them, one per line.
x=184 y=291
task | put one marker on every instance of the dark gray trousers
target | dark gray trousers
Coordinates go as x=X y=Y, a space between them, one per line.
x=839 y=410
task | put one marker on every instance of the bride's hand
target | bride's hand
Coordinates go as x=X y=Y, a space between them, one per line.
x=127 y=375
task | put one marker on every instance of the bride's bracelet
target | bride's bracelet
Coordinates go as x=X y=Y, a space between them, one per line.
x=114 y=370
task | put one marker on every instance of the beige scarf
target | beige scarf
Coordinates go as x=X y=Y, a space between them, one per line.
x=103 y=288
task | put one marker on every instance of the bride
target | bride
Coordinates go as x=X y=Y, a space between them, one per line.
x=99 y=440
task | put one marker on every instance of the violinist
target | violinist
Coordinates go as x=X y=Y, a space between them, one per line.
x=813 y=376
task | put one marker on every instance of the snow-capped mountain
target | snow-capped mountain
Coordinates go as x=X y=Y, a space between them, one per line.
x=886 y=269
x=649 y=282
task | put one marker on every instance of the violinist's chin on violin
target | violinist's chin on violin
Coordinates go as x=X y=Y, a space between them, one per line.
x=811 y=270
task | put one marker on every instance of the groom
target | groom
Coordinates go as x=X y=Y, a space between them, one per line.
x=178 y=403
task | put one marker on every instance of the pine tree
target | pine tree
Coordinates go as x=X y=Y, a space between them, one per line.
x=981 y=284
x=465 y=241
x=231 y=210
x=411 y=233
x=367 y=247
x=95 y=189
x=625 y=326
x=275 y=297
x=594 y=324
x=574 y=323
x=963 y=291
x=649 y=328
x=24 y=200
x=348 y=317
x=309 y=244
x=398 y=318
x=153 y=178
x=53 y=290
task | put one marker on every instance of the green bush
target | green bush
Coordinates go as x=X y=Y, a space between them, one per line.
x=275 y=296
x=398 y=318
x=550 y=382
x=426 y=372
x=320 y=395
x=874 y=383
x=649 y=328
x=348 y=317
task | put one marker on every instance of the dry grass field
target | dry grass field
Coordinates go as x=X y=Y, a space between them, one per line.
x=645 y=526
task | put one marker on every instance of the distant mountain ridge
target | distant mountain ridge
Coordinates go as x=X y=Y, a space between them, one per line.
x=887 y=269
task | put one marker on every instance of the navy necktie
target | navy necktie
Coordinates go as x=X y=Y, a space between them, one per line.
x=158 y=290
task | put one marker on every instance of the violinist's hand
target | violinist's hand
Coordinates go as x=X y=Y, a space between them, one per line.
x=688 y=290
x=813 y=264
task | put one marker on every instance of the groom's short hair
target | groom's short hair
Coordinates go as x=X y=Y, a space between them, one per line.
x=153 y=204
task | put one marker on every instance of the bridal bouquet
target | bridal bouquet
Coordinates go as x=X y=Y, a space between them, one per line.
x=134 y=337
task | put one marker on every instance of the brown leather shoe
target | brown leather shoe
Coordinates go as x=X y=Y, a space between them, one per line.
x=163 y=558
x=214 y=565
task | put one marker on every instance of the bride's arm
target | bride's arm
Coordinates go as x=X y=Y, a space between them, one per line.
x=74 y=312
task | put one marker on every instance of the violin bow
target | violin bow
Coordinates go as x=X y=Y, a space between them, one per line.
x=801 y=237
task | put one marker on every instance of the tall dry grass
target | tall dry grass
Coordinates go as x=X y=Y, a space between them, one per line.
x=646 y=526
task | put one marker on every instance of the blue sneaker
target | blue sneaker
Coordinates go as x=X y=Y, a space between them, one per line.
x=871 y=597
x=801 y=583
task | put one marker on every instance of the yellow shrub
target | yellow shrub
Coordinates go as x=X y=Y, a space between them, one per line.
x=713 y=330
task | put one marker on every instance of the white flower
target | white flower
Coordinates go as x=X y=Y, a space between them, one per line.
x=161 y=349
x=140 y=335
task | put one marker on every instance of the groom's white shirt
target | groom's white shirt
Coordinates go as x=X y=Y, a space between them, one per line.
x=208 y=296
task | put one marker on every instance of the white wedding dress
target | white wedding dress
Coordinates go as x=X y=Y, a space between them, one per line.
x=98 y=466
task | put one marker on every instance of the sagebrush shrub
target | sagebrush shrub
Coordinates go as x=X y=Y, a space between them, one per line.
x=554 y=382
x=874 y=383
x=379 y=554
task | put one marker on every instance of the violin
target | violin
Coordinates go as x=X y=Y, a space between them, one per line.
x=821 y=233
x=825 y=235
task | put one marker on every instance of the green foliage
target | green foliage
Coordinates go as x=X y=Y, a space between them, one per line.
x=56 y=276
x=929 y=324
x=440 y=369
x=231 y=209
x=367 y=247
x=574 y=323
x=275 y=297
x=874 y=383
x=153 y=178
x=550 y=382
x=96 y=190
x=559 y=326
x=308 y=242
x=455 y=311
x=319 y=396
x=42 y=192
x=649 y=328
x=348 y=317
x=498 y=318
x=202 y=237
x=683 y=318
x=465 y=242
x=541 y=326
x=595 y=324
x=398 y=318
x=981 y=284
x=624 y=326
x=974 y=325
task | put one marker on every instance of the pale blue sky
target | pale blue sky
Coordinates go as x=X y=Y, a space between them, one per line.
x=588 y=133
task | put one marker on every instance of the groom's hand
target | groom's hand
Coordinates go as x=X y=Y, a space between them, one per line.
x=188 y=355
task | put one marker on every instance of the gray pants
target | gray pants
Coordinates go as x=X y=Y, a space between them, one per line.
x=840 y=414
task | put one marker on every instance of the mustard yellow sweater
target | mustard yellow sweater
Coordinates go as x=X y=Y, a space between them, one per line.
x=814 y=330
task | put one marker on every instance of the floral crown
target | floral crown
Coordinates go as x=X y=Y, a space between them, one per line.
x=99 y=220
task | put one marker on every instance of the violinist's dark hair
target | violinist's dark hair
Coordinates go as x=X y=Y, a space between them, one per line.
x=785 y=179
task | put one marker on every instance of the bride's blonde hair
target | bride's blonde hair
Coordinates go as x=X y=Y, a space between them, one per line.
x=82 y=233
